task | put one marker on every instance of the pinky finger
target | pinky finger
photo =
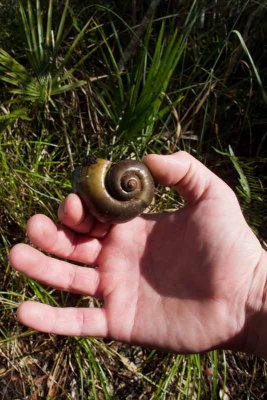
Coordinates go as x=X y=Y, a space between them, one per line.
x=64 y=321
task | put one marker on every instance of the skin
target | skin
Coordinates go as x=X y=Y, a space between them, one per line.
x=185 y=281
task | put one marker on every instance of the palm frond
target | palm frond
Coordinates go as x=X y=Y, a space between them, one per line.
x=48 y=75
x=151 y=81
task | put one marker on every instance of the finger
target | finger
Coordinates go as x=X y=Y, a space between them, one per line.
x=189 y=176
x=62 y=241
x=71 y=213
x=55 y=273
x=64 y=321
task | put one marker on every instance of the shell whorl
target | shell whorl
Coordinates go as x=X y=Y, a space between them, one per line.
x=114 y=193
x=126 y=180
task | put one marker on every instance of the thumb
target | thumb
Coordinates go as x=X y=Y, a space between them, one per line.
x=189 y=176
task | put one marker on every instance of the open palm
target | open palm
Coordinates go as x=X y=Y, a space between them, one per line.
x=181 y=281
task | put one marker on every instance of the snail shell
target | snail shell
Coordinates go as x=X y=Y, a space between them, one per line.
x=114 y=193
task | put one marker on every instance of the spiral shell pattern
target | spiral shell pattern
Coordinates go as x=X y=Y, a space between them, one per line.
x=114 y=193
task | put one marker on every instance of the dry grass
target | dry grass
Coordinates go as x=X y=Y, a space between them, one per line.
x=214 y=99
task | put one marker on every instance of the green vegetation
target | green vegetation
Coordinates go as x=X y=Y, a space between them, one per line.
x=121 y=79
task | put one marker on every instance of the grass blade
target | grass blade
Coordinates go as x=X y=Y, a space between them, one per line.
x=49 y=24
x=75 y=42
x=255 y=70
x=31 y=27
x=40 y=30
x=61 y=25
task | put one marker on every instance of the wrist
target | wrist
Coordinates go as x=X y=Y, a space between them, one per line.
x=256 y=322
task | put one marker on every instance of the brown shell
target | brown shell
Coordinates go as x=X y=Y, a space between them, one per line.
x=114 y=193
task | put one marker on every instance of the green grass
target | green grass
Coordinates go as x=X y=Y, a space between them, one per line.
x=209 y=63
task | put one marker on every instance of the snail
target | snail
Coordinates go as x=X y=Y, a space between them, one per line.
x=114 y=193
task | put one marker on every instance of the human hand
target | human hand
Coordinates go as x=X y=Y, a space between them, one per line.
x=187 y=281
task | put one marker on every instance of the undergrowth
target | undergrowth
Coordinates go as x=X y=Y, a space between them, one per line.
x=82 y=78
